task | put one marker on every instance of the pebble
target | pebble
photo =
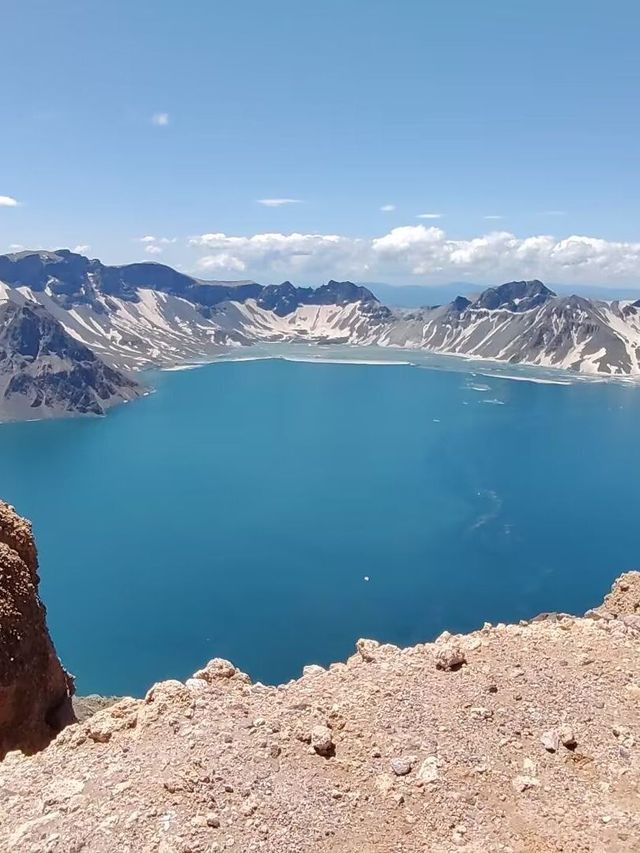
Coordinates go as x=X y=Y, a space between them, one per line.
x=524 y=783
x=551 y=740
x=567 y=737
x=402 y=765
x=481 y=713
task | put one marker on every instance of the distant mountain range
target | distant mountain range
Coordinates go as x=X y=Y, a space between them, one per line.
x=72 y=330
x=419 y=295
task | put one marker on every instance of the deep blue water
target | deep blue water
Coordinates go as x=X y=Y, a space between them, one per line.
x=236 y=512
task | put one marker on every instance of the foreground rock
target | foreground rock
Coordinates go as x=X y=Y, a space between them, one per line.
x=35 y=691
x=532 y=743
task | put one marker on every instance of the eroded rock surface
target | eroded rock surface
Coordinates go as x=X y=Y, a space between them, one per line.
x=531 y=744
x=624 y=597
x=35 y=691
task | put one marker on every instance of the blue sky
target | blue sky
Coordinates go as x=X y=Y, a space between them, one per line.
x=171 y=120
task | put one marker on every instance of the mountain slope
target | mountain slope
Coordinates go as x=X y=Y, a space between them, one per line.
x=144 y=315
x=45 y=372
x=147 y=314
x=526 y=323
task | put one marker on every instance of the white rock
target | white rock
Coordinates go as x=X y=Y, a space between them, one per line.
x=367 y=649
x=402 y=765
x=481 y=713
x=313 y=669
x=551 y=740
x=428 y=770
x=567 y=737
x=215 y=670
x=322 y=740
x=196 y=685
x=524 y=783
x=449 y=656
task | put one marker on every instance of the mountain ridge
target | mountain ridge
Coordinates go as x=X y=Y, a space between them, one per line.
x=146 y=315
x=45 y=371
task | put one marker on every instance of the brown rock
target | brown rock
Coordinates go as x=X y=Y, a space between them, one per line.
x=449 y=656
x=35 y=691
x=624 y=597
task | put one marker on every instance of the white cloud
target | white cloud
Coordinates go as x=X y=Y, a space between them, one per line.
x=430 y=215
x=278 y=202
x=282 y=254
x=421 y=251
x=493 y=216
x=388 y=208
x=81 y=249
x=150 y=239
x=16 y=247
x=160 y=119
x=154 y=245
x=8 y=201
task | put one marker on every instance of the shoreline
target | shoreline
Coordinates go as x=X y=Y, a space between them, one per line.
x=422 y=359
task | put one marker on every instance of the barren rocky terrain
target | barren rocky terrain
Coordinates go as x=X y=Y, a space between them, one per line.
x=513 y=738
x=35 y=691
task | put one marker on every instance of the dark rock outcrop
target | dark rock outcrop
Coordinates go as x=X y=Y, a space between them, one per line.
x=35 y=691
x=73 y=279
x=44 y=371
x=515 y=296
x=284 y=298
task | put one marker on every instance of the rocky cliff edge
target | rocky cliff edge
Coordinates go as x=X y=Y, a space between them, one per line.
x=35 y=691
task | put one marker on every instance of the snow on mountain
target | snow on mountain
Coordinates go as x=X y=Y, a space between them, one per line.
x=144 y=315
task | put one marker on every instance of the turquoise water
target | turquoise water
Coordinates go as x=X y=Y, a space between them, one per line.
x=237 y=511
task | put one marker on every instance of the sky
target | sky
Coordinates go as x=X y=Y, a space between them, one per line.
x=413 y=141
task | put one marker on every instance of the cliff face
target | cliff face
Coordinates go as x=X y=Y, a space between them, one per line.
x=45 y=372
x=35 y=691
x=521 y=738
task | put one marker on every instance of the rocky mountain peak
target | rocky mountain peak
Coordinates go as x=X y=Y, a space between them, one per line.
x=515 y=296
x=460 y=303
x=343 y=292
x=284 y=298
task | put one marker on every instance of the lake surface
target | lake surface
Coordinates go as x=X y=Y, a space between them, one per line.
x=238 y=511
